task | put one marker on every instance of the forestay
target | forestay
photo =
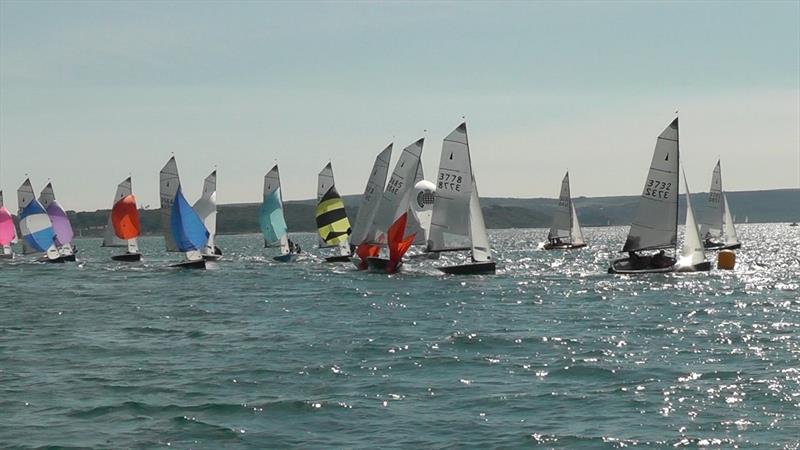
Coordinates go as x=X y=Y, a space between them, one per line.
x=561 y=227
x=169 y=182
x=712 y=222
x=206 y=208
x=656 y=221
x=363 y=229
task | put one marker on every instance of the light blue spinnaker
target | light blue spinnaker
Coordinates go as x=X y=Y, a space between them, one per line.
x=273 y=224
x=35 y=227
x=187 y=228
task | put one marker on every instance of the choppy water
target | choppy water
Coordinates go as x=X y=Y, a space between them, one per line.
x=255 y=354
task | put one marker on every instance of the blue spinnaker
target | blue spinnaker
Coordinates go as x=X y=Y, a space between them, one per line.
x=187 y=228
x=35 y=227
x=273 y=224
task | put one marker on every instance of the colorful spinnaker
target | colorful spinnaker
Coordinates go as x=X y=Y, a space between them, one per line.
x=34 y=224
x=7 y=231
x=184 y=231
x=59 y=219
x=123 y=223
x=332 y=222
x=271 y=218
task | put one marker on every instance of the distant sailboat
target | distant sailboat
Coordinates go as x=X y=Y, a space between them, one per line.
x=60 y=221
x=272 y=219
x=8 y=234
x=655 y=226
x=565 y=232
x=392 y=218
x=457 y=222
x=123 y=225
x=183 y=229
x=206 y=208
x=332 y=222
x=717 y=229
x=35 y=226
x=364 y=230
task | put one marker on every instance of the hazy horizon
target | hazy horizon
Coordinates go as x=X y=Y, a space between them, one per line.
x=91 y=92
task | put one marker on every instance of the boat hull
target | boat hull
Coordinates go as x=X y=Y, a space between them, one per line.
x=381 y=265
x=550 y=246
x=127 y=257
x=425 y=255
x=620 y=266
x=722 y=246
x=69 y=258
x=338 y=259
x=481 y=268
x=212 y=257
x=46 y=260
x=198 y=264
x=6 y=257
x=287 y=258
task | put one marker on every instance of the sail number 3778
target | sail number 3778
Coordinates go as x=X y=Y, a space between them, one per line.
x=449 y=182
x=657 y=189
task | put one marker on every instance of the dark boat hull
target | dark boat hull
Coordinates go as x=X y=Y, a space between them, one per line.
x=287 y=258
x=619 y=266
x=381 y=265
x=69 y=258
x=4 y=256
x=482 y=268
x=550 y=246
x=212 y=257
x=127 y=257
x=338 y=259
x=46 y=260
x=722 y=246
x=198 y=264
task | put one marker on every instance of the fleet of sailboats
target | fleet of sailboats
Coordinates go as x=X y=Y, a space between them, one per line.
x=655 y=224
x=565 y=232
x=392 y=216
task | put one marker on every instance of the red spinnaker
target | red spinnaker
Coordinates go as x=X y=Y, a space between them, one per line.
x=397 y=245
x=365 y=251
x=125 y=218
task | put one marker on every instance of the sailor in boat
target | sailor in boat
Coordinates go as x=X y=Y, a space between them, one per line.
x=556 y=241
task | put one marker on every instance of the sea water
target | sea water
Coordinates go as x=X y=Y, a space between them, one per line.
x=551 y=351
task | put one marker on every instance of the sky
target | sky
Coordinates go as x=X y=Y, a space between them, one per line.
x=91 y=92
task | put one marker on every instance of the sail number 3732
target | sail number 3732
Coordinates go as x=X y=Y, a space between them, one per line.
x=657 y=189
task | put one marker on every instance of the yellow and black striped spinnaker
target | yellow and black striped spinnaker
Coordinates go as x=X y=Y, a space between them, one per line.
x=332 y=221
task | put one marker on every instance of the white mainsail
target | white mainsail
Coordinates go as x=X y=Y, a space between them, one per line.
x=656 y=221
x=363 y=229
x=110 y=238
x=728 y=230
x=169 y=181
x=450 y=223
x=577 y=233
x=395 y=199
x=692 y=252
x=711 y=226
x=561 y=227
x=481 y=248
x=414 y=224
x=206 y=208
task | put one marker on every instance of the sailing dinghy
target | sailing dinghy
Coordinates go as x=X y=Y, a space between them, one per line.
x=206 y=208
x=61 y=224
x=123 y=225
x=394 y=212
x=655 y=226
x=457 y=223
x=364 y=228
x=332 y=222
x=565 y=232
x=8 y=234
x=272 y=219
x=35 y=226
x=184 y=231
x=717 y=229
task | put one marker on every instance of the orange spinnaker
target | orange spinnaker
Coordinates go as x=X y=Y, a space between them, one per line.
x=125 y=218
x=365 y=251
x=397 y=245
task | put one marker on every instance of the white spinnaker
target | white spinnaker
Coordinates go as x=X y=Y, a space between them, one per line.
x=206 y=209
x=414 y=225
x=711 y=226
x=395 y=198
x=272 y=182
x=481 y=248
x=562 y=218
x=655 y=224
x=169 y=181
x=577 y=233
x=324 y=182
x=692 y=252
x=110 y=238
x=363 y=229
x=728 y=230
x=450 y=224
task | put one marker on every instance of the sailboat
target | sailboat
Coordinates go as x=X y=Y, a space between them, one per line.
x=206 y=208
x=565 y=232
x=655 y=225
x=332 y=222
x=184 y=231
x=8 y=234
x=364 y=229
x=35 y=227
x=457 y=223
x=272 y=219
x=123 y=225
x=61 y=224
x=394 y=213
x=717 y=229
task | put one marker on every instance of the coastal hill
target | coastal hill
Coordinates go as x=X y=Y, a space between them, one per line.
x=776 y=205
